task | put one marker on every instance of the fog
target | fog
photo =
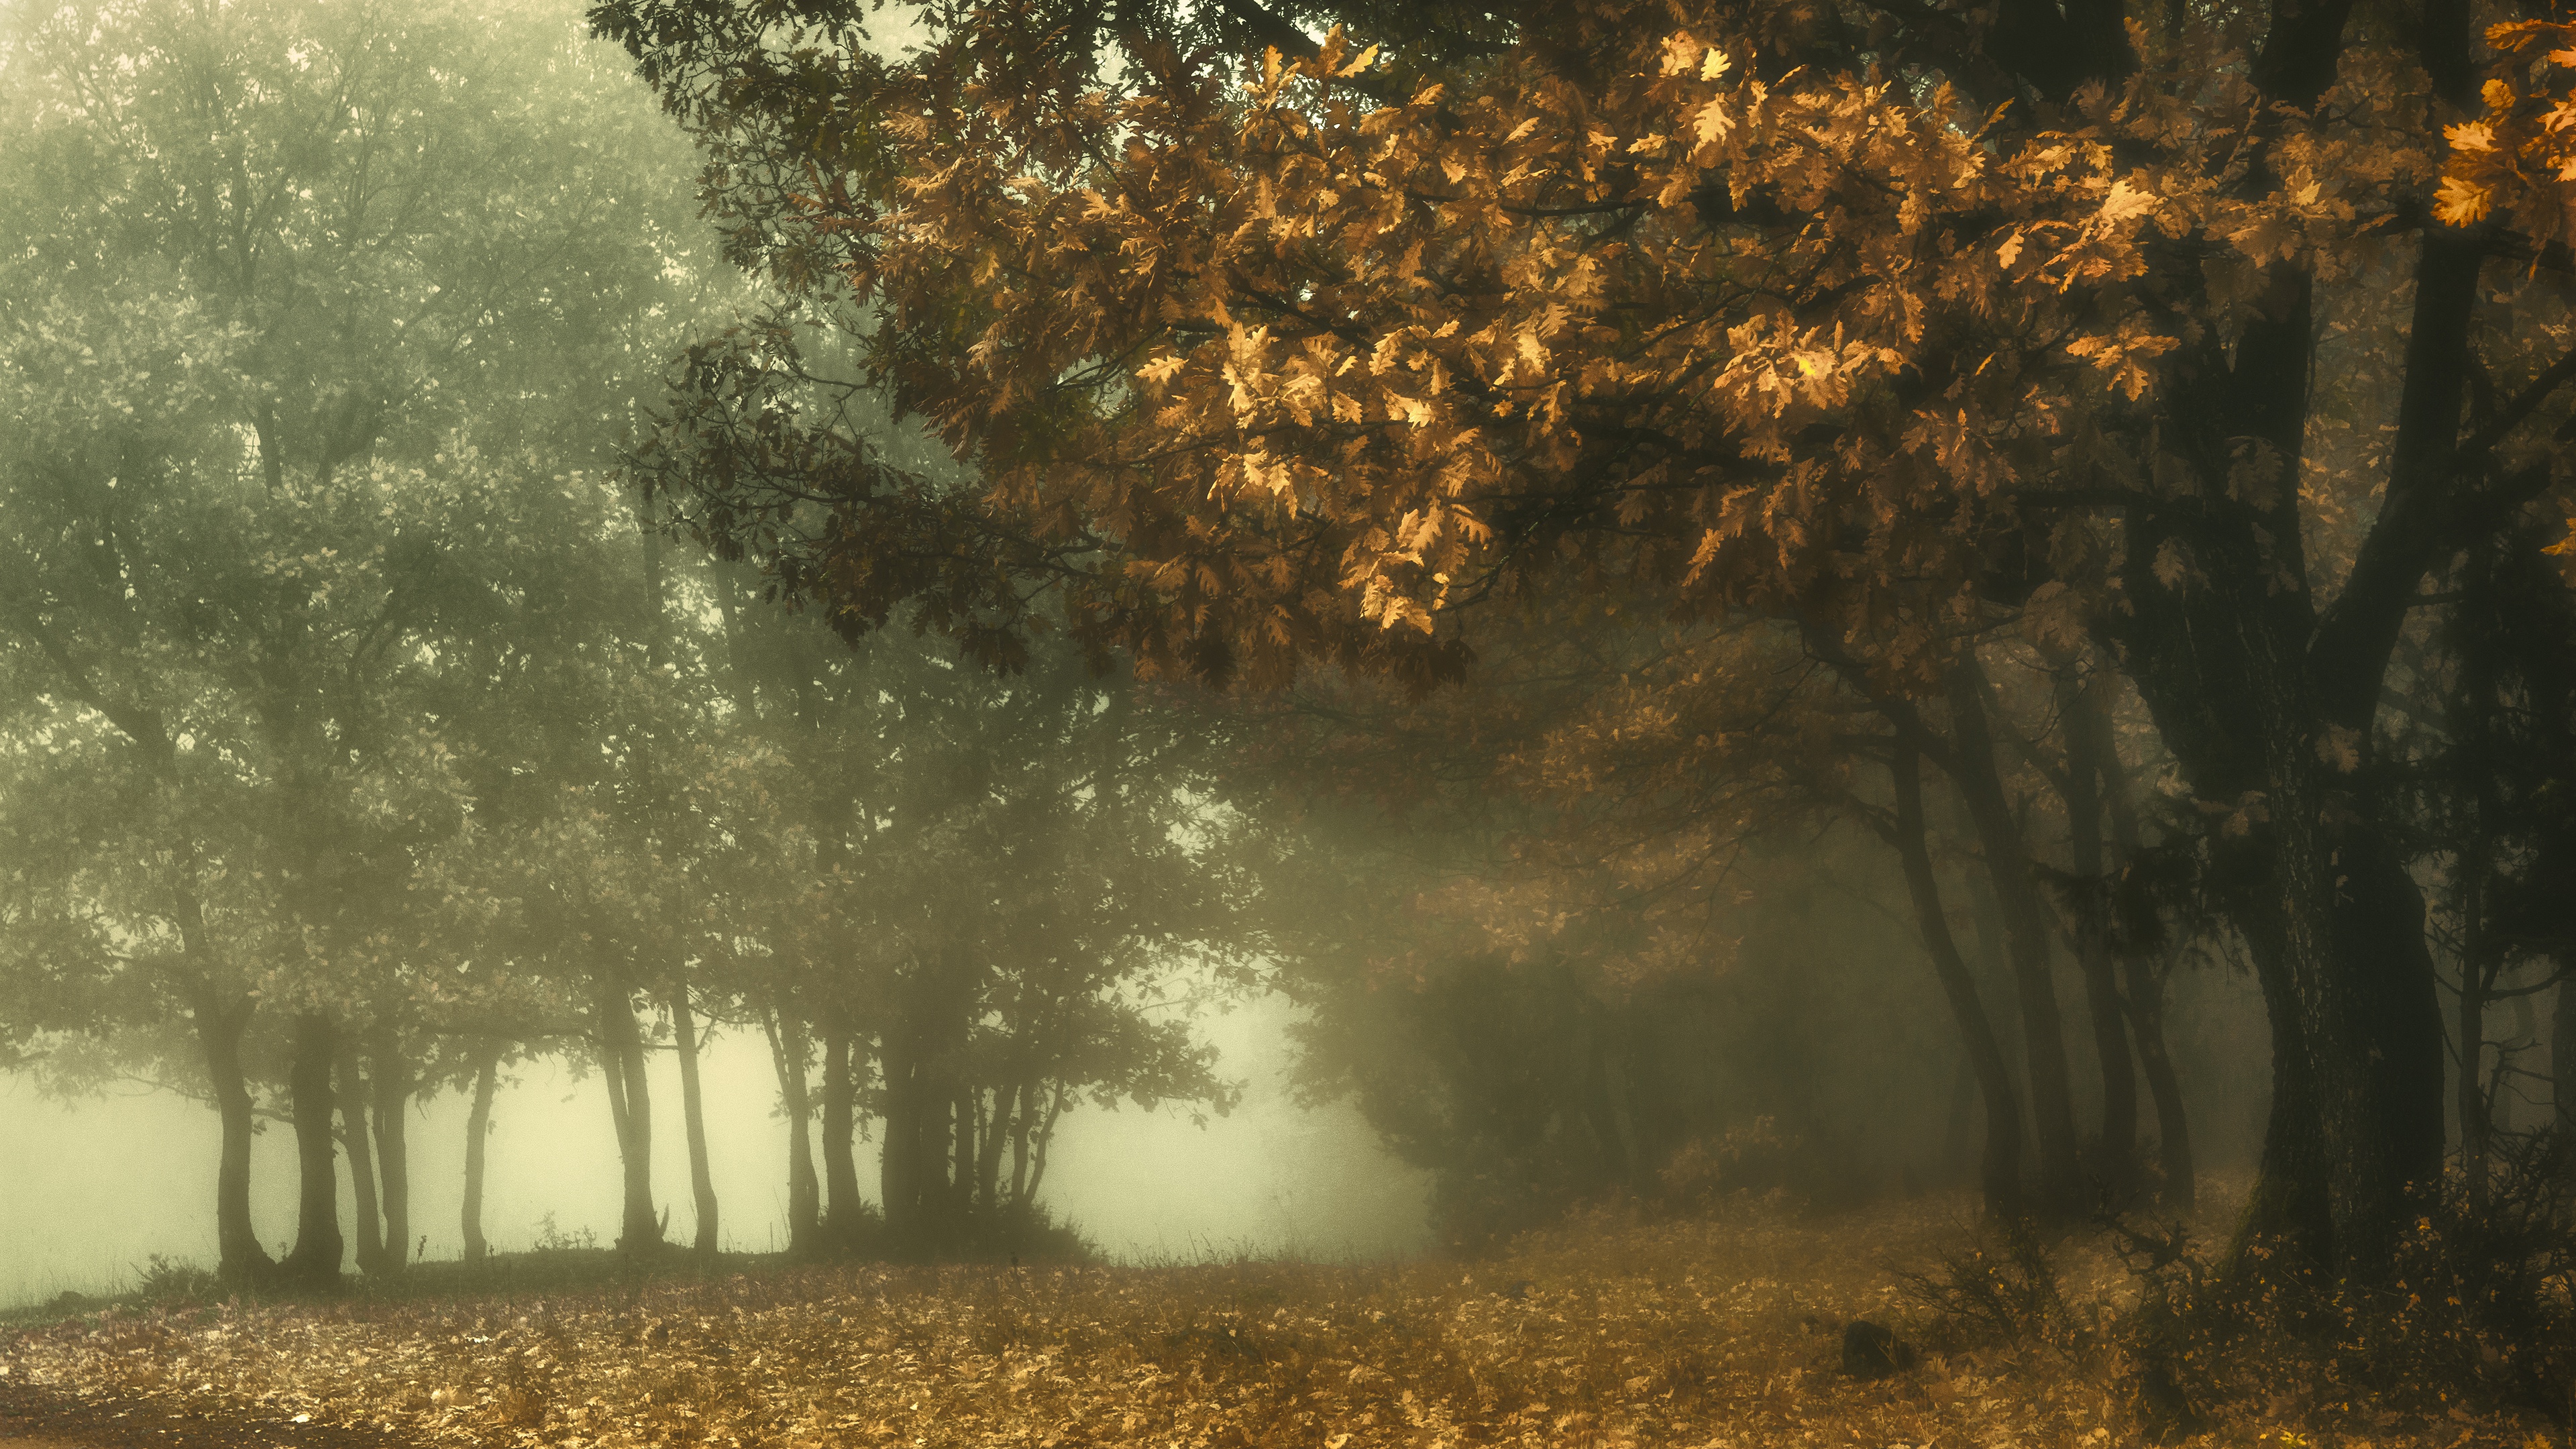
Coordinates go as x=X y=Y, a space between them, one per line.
x=98 y=1185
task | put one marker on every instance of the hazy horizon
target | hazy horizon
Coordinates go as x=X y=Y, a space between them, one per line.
x=134 y=1169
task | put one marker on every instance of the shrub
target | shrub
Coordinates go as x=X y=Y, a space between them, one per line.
x=165 y=1280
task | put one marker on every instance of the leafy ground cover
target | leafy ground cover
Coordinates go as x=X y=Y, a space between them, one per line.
x=1727 y=1331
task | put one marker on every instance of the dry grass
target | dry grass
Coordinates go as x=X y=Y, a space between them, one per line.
x=1716 y=1332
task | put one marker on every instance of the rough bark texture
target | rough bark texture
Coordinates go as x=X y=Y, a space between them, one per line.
x=315 y=1259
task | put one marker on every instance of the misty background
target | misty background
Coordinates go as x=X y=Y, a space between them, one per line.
x=97 y=1185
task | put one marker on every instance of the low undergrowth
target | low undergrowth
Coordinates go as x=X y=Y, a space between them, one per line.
x=1728 y=1330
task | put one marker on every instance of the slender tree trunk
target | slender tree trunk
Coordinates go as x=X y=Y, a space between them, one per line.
x=2145 y=1000
x=842 y=1213
x=240 y=1261
x=2471 y=1060
x=990 y=1138
x=1040 y=1139
x=478 y=1128
x=1024 y=1108
x=2472 y=707
x=2025 y=939
x=315 y=1259
x=621 y=1055
x=362 y=1162
x=961 y=1185
x=2180 y=1190
x=1999 y=1174
x=787 y=1050
x=898 y=1170
x=2083 y=800
x=2526 y=1035
x=392 y=1100
x=702 y=1182
x=2562 y=1061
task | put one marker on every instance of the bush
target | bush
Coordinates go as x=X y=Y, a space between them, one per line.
x=2001 y=1288
x=551 y=1238
x=166 y=1280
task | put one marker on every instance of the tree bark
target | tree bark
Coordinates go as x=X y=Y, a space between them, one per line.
x=478 y=1128
x=2025 y=939
x=315 y=1259
x=362 y=1163
x=240 y=1260
x=843 y=1216
x=2179 y=1190
x=1999 y=1174
x=2562 y=1061
x=898 y=1158
x=989 y=1140
x=702 y=1183
x=391 y=1081
x=787 y=1051
x=2083 y=800
x=961 y=1184
x=1024 y=1109
x=621 y=1056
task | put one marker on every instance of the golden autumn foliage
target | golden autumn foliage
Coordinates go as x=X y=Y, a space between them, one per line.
x=1319 y=365
x=2138 y=331
x=2519 y=154
x=1614 y=1330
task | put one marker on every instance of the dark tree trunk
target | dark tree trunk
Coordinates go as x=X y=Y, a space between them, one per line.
x=961 y=1157
x=2025 y=939
x=787 y=1050
x=1999 y=1174
x=2180 y=1190
x=2471 y=721
x=621 y=1057
x=391 y=1081
x=843 y=1216
x=1024 y=1108
x=478 y=1128
x=2562 y=1061
x=702 y=1183
x=2083 y=800
x=989 y=1142
x=362 y=1163
x=899 y=1172
x=2255 y=691
x=2470 y=1058
x=315 y=1259
x=240 y=1261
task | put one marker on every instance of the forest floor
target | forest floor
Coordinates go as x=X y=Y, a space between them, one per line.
x=1726 y=1331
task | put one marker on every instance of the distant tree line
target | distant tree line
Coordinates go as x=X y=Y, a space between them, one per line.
x=359 y=742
